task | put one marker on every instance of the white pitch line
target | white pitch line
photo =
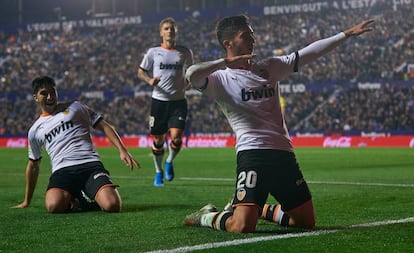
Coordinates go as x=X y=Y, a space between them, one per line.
x=362 y=184
x=214 y=245
x=231 y=180
x=310 y=182
x=381 y=223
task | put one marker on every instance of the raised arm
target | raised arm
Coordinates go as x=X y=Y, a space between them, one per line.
x=113 y=136
x=32 y=173
x=321 y=47
x=360 y=28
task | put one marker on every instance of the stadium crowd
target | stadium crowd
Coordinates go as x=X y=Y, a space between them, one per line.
x=106 y=60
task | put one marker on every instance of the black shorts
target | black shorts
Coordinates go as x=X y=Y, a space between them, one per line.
x=274 y=172
x=87 y=177
x=166 y=115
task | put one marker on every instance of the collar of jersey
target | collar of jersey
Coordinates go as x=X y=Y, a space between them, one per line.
x=163 y=46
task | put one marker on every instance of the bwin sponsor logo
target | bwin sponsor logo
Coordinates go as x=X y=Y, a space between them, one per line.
x=264 y=92
x=61 y=128
x=171 y=66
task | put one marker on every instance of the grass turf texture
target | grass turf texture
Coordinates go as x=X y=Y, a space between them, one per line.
x=349 y=186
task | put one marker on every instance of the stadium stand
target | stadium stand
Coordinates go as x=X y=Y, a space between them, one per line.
x=98 y=66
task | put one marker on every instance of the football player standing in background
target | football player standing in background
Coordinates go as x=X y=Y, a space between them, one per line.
x=163 y=68
x=247 y=91
x=79 y=180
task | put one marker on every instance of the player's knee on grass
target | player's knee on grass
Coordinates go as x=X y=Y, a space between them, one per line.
x=57 y=207
x=244 y=220
x=57 y=200
x=239 y=226
x=109 y=199
x=114 y=207
x=302 y=222
x=303 y=216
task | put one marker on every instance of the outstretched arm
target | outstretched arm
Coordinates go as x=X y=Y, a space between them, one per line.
x=360 y=28
x=117 y=142
x=32 y=173
x=324 y=46
x=196 y=74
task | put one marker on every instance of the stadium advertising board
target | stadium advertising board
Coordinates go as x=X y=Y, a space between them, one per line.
x=207 y=14
x=145 y=141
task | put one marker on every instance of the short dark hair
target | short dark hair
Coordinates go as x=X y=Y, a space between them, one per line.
x=228 y=27
x=42 y=81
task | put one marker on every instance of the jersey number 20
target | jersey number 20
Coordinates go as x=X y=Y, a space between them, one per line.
x=248 y=179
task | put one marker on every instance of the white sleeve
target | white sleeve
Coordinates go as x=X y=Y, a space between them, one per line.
x=147 y=61
x=197 y=74
x=34 y=147
x=94 y=117
x=319 y=48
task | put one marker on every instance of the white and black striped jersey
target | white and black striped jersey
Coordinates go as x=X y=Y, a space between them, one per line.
x=66 y=136
x=170 y=65
x=250 y=101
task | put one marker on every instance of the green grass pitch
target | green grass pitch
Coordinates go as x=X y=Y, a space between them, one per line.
x=349 y=186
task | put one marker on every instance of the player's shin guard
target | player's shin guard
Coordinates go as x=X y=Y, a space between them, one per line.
x=216 y=220
x=158 y=154
x=174 y=149
x=274 y=213
x=157 y=150
x=176 y=145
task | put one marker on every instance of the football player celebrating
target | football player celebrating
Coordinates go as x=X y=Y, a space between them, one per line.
x=79 y=180
x=247 y=90
x=163 y=68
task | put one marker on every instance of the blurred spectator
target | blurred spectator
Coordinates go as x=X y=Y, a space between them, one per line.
x=104 y=59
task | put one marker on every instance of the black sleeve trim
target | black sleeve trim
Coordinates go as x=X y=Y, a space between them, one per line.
x=96 y=123
x=35 y=160
x=204 y=86
x=296 y=66
x=143 y=69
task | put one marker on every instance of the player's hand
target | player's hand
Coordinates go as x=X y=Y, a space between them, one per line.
x=24 y=204
x=235 y=61
x=360 y=28
x=155 y=81
x=129 y=160
x=188 y=85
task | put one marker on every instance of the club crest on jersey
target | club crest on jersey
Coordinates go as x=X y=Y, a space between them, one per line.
x=241 y=193
x=262 y=92
x=64 y=126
